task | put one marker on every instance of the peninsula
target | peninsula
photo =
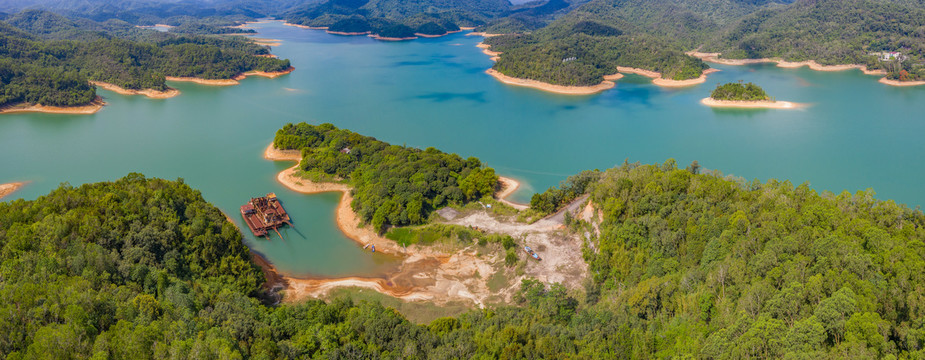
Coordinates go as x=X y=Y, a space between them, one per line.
x=426 y=272
x=91 y=108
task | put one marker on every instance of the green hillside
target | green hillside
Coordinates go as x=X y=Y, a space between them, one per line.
x=686 y=265
x=69 y=52
x=833 y=32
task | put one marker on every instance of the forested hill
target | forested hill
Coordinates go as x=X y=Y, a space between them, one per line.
x=150 y=12
x=397 y=18
x=833 y=32
x=581 y=53
x=686 y=266
x=688 y=23
x=593 y=39
x=69 y=52
x=705 y=266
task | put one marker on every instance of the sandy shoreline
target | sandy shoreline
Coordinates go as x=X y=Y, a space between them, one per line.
x=425 y=273
x=151 y=93
x=92 y=108
x=812 y=64
x=266 y=74
x=7 y=189
x=508 y=187
x=494 y=55
x=901 y=83
x=658 y=80
x=347 y=220
x=488 y=35
x=358 y=33
x=749 y=104
x=386 y=38
x=306 y=26
x=558 y=89
x=211 y=82
x=683 y=83
x=607 y=83
x=371 y=34
x=232 y=81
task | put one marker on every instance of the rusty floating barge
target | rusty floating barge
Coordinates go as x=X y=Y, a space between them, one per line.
x=263 y=214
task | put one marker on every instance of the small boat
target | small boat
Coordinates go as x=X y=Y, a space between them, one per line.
x=374 y=248
x=530 y=251
x=365 y=246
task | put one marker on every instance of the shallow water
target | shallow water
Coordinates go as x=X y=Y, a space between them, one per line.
x=856 y=133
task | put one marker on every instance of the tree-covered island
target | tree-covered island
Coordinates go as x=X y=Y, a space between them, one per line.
x=737 y=91
x=744 y=95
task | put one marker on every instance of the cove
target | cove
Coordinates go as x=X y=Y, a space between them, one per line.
x=855 y=133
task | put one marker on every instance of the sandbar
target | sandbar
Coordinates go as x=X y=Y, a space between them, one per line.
x=265 y=42
x=266 y=74
x=358 y=33
x=154 y=26
x=558 y=89
x=812 y=64
x=151 y=93
x=901 y=83
x=7 y=189
x=482 y=34
x=92 y=108
x=386 y=38
x=201 y=81
x=749 y=104
x=658 y=80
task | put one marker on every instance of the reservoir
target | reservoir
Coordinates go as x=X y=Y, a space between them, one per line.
x=854 y=133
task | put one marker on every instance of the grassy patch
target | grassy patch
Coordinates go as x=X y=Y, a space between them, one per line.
x=428 y=234
x=530 y=216
x=417 y=312
x=499 y=280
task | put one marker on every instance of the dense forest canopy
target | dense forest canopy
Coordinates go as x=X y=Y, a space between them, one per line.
x=397 y=18
x=392 y=185
x=739 y=92
x=48 y=59
x=682 y=265
x=881 y=34
x=834 y=32
x=705 y=266
x=586 y=52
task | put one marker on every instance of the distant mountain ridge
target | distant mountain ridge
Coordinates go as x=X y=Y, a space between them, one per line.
x=826 y=31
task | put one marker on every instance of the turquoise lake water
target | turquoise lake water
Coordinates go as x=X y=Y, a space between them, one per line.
x=854 y=134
